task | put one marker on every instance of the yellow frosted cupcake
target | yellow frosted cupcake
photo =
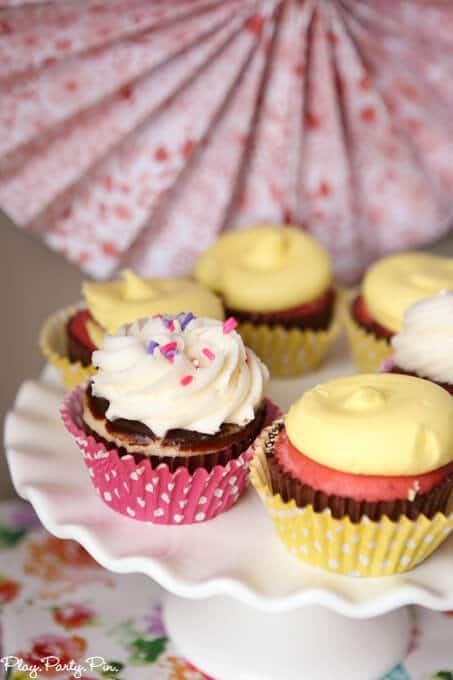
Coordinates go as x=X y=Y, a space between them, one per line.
x=277 y=282
x=389 y=288
x=358 y=476
x=69 y=337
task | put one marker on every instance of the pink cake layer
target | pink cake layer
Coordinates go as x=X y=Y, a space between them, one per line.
x=372 y=488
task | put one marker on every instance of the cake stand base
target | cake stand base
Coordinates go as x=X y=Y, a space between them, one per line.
x=231 y=641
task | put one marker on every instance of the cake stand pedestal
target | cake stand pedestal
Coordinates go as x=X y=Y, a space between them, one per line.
x=229 y=640
x=239 y=606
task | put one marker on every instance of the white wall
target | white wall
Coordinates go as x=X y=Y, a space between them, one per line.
x=33 y=283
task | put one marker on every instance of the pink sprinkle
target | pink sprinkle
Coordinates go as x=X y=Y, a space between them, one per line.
x=157 y=316
x=207 y=352
x=186 y=380
x=168 y=347
x=229 y=325
x=171 y=325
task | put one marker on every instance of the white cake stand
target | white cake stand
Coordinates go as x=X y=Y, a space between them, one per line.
x=239 y=606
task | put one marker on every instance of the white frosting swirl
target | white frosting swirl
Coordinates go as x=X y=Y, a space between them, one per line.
x=425 y=344
x=212 y=379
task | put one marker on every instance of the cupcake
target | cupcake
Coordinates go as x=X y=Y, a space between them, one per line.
x=357 y=478
x=166 y=423
x=389 y=288
x=424 y=346
x=69 y=337
x=277 y=282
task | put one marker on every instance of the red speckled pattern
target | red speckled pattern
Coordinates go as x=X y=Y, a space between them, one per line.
x=133 y=133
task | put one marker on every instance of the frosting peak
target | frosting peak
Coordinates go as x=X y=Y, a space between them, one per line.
x=265 y=268
x=270 y=252
x=136 y=288
x=364 y=399
x=425 y=342
x=377 y=424
x=179 y=372
x=115 y=303
x=395 y=283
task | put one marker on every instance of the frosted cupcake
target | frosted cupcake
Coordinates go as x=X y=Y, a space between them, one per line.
x=166 y=422
x=69 y=337
x=424 y=346
x=277 y=282
x=389 y=288
x=358 y=476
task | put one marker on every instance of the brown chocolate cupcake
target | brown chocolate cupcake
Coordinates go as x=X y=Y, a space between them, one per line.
x=155 y=376
x=166 y=424
x=178 y=447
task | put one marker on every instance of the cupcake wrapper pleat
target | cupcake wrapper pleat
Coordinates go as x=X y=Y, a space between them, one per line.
x=364 y=548
x=158 y=495
x=288 y=352
x=54 y=346
x=368 y=351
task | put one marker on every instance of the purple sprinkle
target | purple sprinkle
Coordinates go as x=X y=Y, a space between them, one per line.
x=187 y=319
x=168 y=323
x=152 y=346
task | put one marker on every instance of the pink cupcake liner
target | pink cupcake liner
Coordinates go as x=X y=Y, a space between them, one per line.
x=147 y=494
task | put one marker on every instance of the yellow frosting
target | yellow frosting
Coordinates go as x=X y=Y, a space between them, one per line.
x=375 y=424
x=265 y=268
x=395 y=283
x=115 y=303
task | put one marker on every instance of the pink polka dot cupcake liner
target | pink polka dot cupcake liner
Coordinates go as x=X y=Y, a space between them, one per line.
x=157 y=495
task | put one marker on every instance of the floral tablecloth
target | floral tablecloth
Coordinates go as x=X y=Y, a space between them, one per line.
x=58 y=604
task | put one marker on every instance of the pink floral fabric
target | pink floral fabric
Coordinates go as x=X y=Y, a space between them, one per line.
x=56 y=601
x=133 y=133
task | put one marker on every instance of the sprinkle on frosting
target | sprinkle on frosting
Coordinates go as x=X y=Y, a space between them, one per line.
x=376 y=424
x=259 y=269
x=425 y=343
x=152 y=344
x=150 y=386
x=170 y=350
x=169 y=347
x=229 y=325
x=207 y=352
x=186 y=319
x=168 y=323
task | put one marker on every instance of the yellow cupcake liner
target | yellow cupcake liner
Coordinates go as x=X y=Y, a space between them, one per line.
x=53 y=343
x=367 y=548
x=368 y=351
x=288 y=352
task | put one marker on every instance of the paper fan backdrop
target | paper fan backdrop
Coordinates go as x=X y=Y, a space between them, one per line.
x=133 y=132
